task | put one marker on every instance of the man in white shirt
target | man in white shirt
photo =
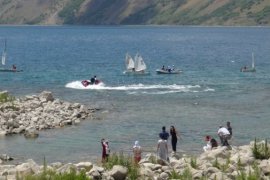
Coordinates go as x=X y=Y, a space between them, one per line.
x=224 y=135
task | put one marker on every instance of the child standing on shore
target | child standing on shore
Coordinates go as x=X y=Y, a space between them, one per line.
x=105 y=150
x=137 y=150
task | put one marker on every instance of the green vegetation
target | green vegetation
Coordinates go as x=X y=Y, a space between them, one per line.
x=193 y=162
x=107 y=12
x=69 y=11
x=52 y=175
x=5 y=97
x=261 y=16
x=252 y=175
x=36 y=20
x=186 y=175
x=261 y=150
x=126 y=161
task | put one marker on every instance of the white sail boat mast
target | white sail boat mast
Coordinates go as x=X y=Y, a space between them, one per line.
x=253 y=62
x=4 y=53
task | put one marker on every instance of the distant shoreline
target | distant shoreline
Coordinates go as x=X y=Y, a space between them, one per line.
x=150 y=25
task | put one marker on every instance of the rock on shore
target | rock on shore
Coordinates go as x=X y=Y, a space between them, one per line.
x=32 y=113
x=220 y=163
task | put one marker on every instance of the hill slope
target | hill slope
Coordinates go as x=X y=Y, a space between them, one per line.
x=106 y=12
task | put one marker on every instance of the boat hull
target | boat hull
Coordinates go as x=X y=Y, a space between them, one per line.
x=247 y=70
x=136 y=72
x=160 y=71
x=9 y=70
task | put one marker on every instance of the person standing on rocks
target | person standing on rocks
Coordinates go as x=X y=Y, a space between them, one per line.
x=162 y=149
x=229 y=129
x=105 y=150
x=223 y=134
x=137 y=150
x=164 y=134
x=174 y=137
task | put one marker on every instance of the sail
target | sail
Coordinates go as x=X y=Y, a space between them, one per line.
x=129 y=62
x=253 y=63
x=139 y=63
x=4 y=54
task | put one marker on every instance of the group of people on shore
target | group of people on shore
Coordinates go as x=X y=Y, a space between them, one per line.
x=162 y=145
x=224 y=133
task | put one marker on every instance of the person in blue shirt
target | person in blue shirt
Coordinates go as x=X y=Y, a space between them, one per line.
x=164 y=134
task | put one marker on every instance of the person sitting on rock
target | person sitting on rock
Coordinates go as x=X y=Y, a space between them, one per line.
x=211 y=143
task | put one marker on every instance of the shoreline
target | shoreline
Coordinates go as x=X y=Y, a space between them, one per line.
x=218 y=163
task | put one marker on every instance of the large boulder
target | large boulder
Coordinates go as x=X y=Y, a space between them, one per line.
x=84 y=165
x=119 y=172
x=31 y=133
x=46 y=96
x=5 y=157
x=28 y=168
x=265 y=167
x=67 y=168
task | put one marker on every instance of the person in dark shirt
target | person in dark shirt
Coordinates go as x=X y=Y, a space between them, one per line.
x=174 y=137
x=93 y=80
x=164 y=134
x=229 y=129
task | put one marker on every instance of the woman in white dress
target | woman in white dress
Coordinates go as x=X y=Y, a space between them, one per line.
x=162 y=149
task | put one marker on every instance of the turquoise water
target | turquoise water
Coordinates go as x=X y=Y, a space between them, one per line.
x=210 y=91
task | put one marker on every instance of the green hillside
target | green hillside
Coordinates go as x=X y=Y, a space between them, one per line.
x=114 y=12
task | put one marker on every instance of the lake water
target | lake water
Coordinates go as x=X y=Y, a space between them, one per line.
x=210 y=91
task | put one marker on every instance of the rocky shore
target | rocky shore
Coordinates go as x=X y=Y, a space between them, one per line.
x=30 y=114
x=220 y=163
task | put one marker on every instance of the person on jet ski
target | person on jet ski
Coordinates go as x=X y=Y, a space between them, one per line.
x=93 y=80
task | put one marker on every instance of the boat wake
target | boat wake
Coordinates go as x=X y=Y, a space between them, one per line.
x=142 y=89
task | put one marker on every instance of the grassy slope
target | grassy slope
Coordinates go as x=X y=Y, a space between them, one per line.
x=181 y=12
x=29 y=11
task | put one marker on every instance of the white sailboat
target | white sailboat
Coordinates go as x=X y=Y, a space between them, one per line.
x=249 y=69
x=129 y=62
x=4 y=59
x=137 y=66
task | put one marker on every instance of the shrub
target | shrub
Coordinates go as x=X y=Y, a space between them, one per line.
x=193 y=162
x=184 y=176
x=52 y=175
x=5 y=97
x=261 y=150
x=126 y=161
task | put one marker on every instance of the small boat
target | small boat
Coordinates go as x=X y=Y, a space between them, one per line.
x=86 y=83
x=164 y=71
x=249 y=69
x=3 y=60
x=9 y=70
x=136 y=67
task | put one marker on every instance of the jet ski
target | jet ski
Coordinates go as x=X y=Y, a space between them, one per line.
x=86 y=83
